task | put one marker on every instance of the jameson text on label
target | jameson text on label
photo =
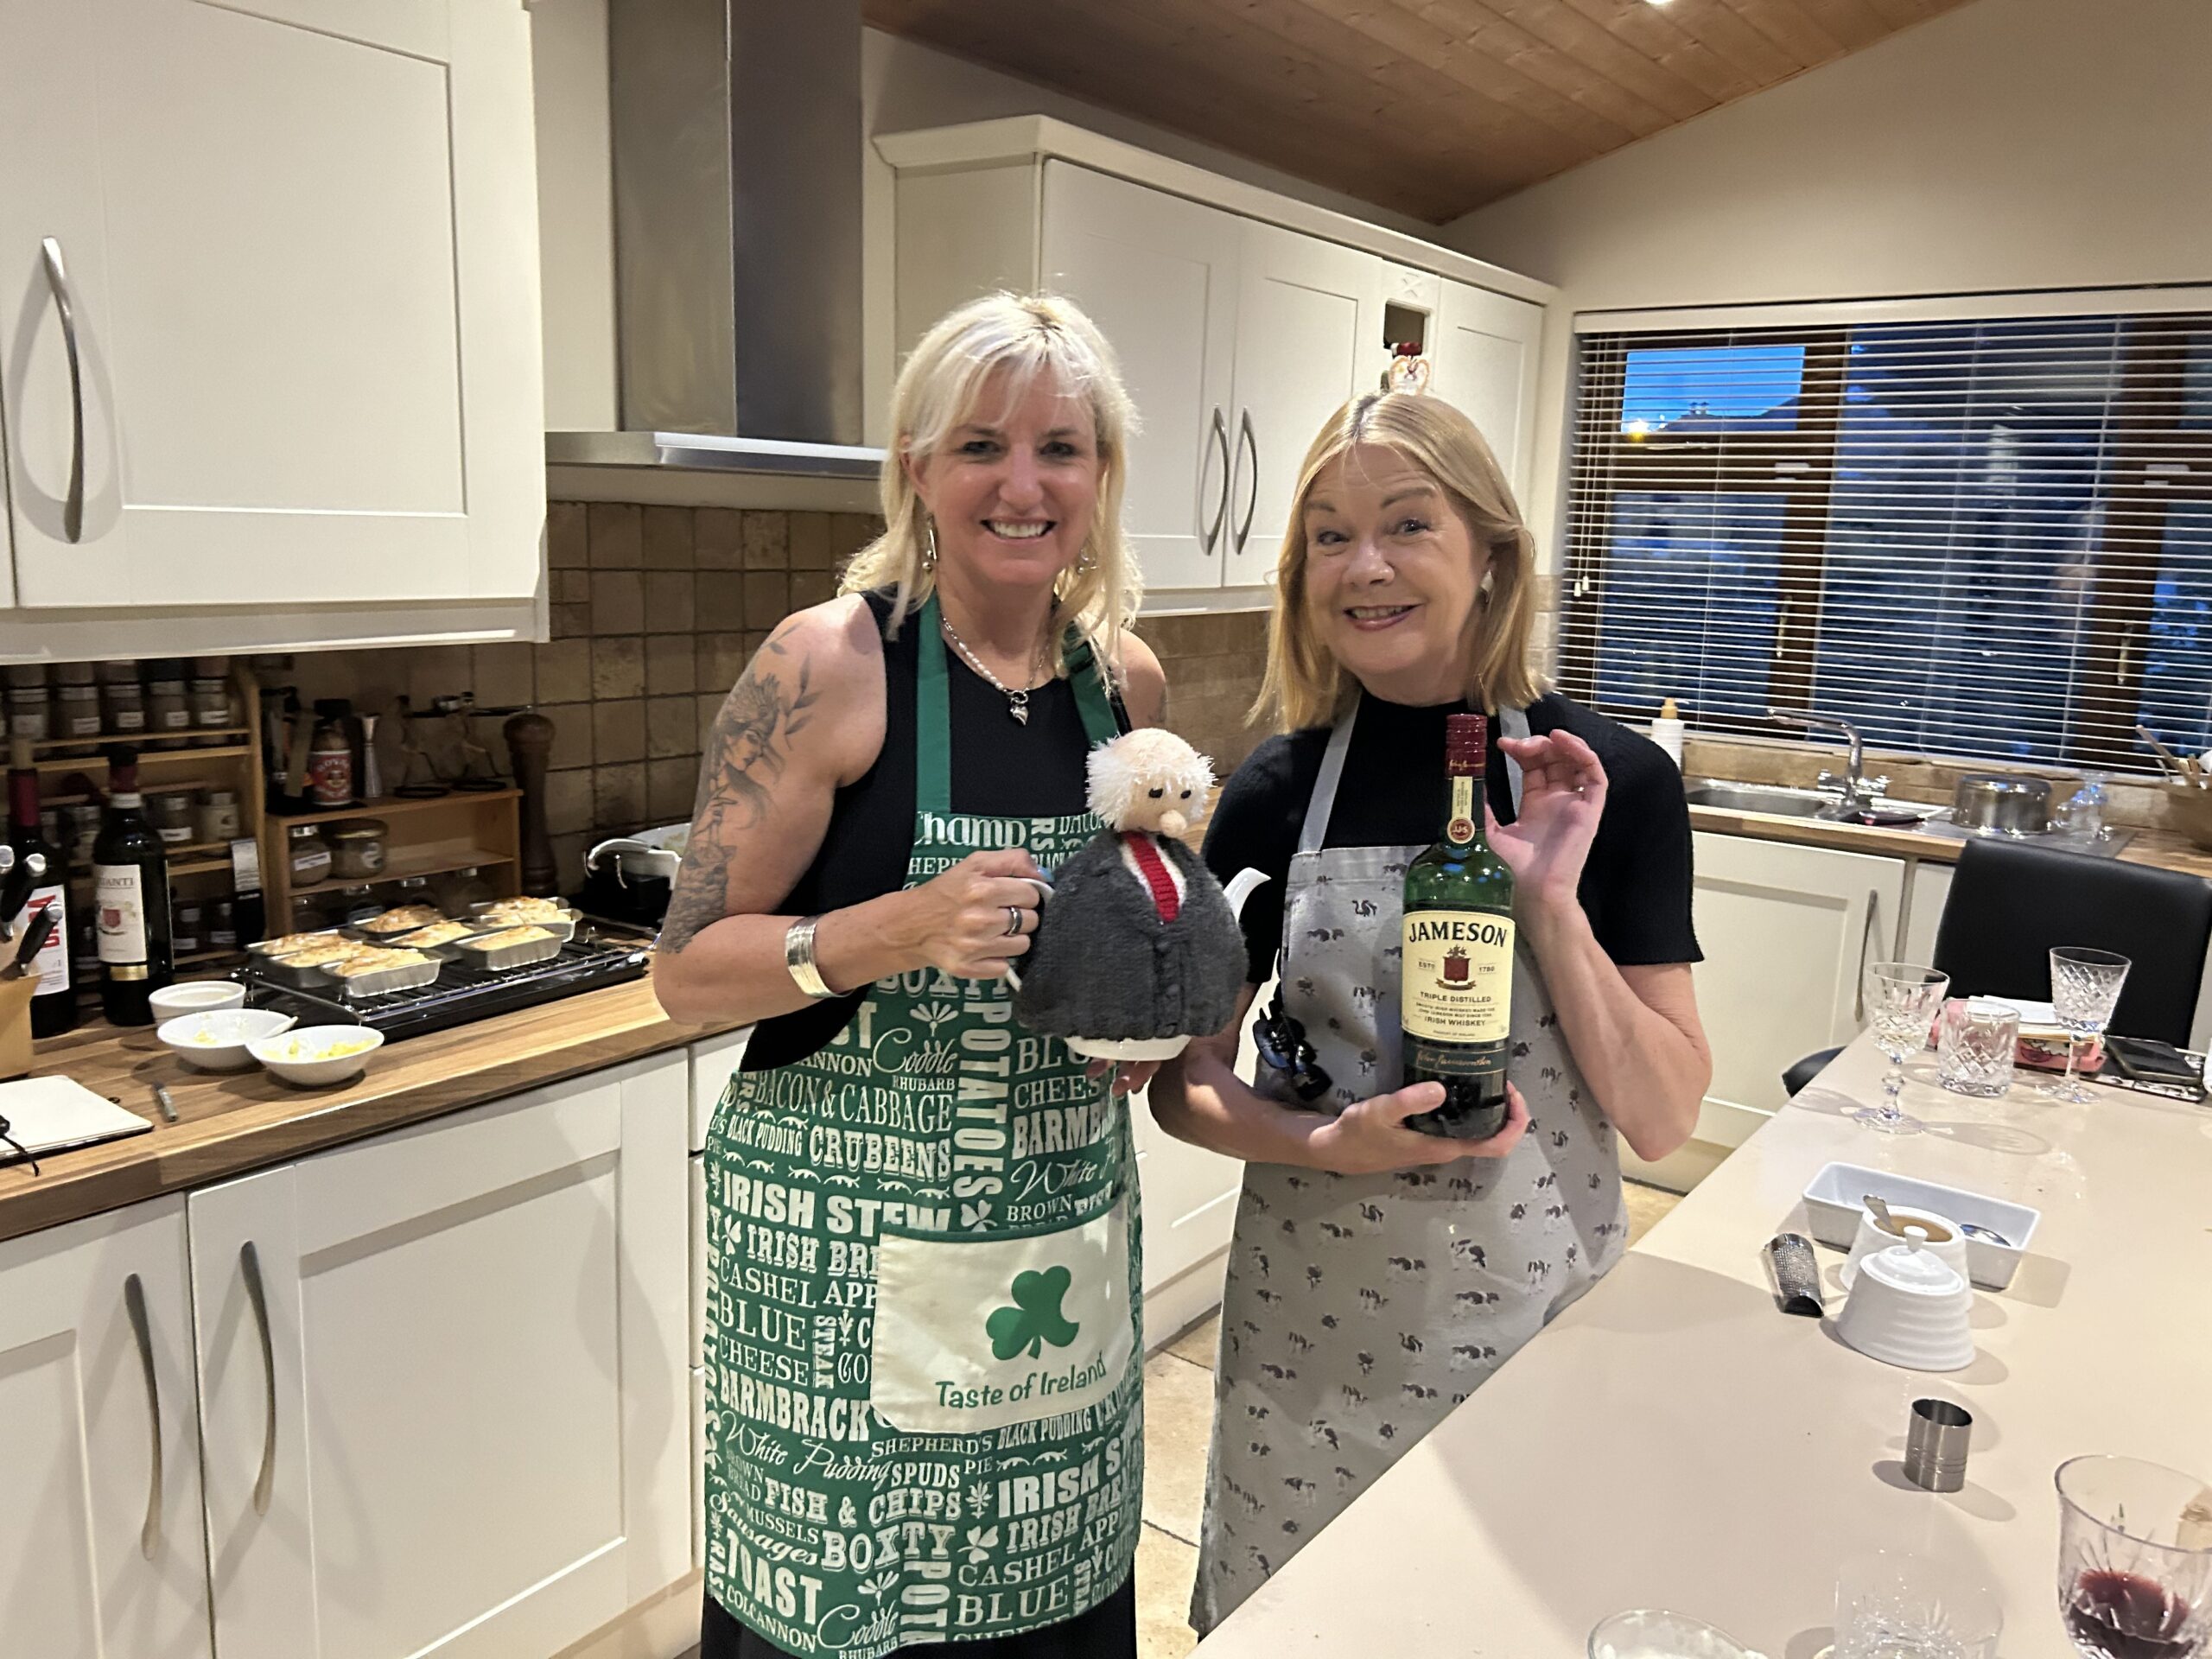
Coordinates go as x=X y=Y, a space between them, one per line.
x=1457 y=976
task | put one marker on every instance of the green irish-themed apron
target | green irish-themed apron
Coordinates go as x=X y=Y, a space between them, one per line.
x=923 y=1392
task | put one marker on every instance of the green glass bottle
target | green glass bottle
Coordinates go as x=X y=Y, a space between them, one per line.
x=1456 y=969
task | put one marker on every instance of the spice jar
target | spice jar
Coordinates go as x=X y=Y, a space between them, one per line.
x=76 y=712
x=218 y=816
x=361 y=904
x=185 y=922
x=210 y=700
x=123 y=700
x=169 y=811
x=168 y=704
x=309 y=854
x=223 y=926
x=357 y=849
x=29 y=709
x=459 y=893
x=80 y=829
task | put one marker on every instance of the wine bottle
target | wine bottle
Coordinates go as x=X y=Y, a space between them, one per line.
x=131 y=886
x=1456 y=984
x=53 y=1004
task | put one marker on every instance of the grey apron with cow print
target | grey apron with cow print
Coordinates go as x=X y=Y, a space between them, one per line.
x=1360 y=1309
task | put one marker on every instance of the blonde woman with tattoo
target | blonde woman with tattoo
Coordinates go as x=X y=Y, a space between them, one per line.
x=924 y=1345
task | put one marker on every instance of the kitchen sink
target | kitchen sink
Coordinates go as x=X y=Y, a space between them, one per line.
x=1781 y=801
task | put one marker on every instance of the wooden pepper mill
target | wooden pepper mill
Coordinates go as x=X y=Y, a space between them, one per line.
x=530 y=741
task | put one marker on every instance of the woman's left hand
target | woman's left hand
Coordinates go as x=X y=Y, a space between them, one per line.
x=1563 y=797
x=1130 y=1075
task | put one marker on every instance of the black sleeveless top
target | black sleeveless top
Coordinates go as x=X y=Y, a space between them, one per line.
x=999 y=768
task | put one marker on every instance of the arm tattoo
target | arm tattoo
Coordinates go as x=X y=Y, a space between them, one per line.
x=747 y=752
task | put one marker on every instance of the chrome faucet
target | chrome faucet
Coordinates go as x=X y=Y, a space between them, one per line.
x=1858 y=791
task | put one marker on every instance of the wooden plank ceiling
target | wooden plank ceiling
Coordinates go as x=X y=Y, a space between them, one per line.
x=1431 y=107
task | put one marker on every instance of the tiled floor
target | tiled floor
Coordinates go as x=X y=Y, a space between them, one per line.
x=1178 y=1420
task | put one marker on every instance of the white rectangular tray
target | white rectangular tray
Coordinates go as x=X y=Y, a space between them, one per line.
x=1833 y=1210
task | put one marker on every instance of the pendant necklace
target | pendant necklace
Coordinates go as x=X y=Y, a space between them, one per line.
x=1017 y=701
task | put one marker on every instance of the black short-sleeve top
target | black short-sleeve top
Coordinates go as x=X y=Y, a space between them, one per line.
x=1636 y=885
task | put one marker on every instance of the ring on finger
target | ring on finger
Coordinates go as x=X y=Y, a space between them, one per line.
x=1012 y=921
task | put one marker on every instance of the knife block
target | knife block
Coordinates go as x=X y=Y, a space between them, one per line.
x=16 y=1025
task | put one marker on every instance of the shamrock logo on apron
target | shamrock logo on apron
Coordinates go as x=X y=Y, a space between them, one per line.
x=1035 y=1318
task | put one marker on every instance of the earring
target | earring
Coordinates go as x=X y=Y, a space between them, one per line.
x=1088 y=561
x=929 y=546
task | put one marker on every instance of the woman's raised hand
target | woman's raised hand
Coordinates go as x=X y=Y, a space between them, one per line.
x=975 y=915
x=1563 y=797
x=1371 y=1137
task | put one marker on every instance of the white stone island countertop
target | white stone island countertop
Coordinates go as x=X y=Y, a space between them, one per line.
x=1675 y=1440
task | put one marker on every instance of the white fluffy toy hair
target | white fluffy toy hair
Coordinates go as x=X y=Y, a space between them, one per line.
x=1138 y=762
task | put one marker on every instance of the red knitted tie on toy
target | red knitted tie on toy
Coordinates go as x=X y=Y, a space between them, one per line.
x=1154 y=870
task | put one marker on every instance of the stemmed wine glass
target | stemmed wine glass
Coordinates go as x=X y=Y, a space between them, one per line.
x=2134 y=1560
x=1902 y=1001
x=2084 y=987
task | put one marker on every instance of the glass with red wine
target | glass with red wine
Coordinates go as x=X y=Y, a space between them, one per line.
x=2134 y=1560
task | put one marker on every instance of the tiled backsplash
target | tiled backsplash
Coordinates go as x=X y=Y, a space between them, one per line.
x=655 y=612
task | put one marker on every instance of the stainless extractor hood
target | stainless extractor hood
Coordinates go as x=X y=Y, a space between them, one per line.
x=737 y=128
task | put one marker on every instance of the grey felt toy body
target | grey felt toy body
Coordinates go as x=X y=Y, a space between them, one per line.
x=1104 y=966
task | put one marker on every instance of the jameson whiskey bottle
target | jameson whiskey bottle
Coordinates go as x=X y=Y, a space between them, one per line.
x=1457 y=986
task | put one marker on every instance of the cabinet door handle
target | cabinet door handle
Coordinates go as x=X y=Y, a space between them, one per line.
x=1245 y=438
x=249 y=1263
x=1865 y=938
x=1219 y=434
x=57 y=278
x=133 y=1304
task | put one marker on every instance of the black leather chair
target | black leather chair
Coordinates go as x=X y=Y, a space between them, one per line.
x=2011 y=902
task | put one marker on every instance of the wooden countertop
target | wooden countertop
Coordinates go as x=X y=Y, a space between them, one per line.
x=1674 y=1440
x=231 y=1122
x=2166 y=849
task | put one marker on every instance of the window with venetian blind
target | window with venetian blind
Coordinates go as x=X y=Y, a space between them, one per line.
x=1984 y=537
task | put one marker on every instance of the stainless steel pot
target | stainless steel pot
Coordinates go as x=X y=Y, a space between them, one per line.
x=2002 y=803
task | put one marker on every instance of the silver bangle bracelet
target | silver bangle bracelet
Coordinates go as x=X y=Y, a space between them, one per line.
x=798 y=957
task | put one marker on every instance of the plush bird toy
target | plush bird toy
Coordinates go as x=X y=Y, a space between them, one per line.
x=1138 y=949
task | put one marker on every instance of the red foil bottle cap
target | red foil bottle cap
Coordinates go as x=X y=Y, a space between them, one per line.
x=1463 y=743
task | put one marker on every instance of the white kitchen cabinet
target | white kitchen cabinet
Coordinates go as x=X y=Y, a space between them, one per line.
x=1787 y=932
x=445 y=1399
x=299 y=249
x=1242 y=320
x=1928 y=889
x=1309 y=317
x=99 y=1508
x=1159 y=276
x=1483 y=347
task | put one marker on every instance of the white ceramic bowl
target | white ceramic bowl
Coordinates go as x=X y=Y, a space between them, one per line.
x=1909 y=1310
x=315 y=1057
x=196 y=996
x=222 y=1041
x=1942 y=1239
x=1832 y=1211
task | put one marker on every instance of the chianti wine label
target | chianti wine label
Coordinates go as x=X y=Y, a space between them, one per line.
x=119 y=896
x=1457 y=976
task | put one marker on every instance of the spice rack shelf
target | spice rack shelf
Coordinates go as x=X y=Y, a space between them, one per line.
x=392 y=806
x=202 y=756
x=148 y=758
x=425 y=836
